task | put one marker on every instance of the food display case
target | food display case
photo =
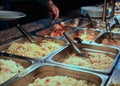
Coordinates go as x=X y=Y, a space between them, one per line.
x=101 y=59
x=52 y=74
x=51 y=60
x=60 y=61
x=41 y=49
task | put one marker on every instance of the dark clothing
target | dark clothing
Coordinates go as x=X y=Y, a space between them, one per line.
x=4 y=24
x=5 y=4
x=37 y=9
x=68 y=5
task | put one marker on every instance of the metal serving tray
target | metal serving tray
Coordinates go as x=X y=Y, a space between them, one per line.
x=85 y=34
x=53 y=70
x=4 y=47
x=76 y=22
x=104 y=39
x=63 y=55
x=26 y=63
x=50 y=32
x=84 y=22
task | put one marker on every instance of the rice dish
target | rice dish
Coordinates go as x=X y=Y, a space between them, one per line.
x=9 y=68
x=60 y=81
x=97 y=61
x=33 y=50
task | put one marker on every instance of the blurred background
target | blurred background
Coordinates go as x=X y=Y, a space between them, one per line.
x=36 y=9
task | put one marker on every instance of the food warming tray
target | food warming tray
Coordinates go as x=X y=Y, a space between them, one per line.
x=85 y=34
x=74 y=22
x=104 y=39
x=56 y=70
x=54 y=31
x=25 y=63
x=62 y=43
x=63 y=55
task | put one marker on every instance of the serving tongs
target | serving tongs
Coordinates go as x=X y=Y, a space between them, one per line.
x=16 y=56
x=52 y=20
x=110 y=34
x=73 y=44
x=26 y=34
x=91 y=24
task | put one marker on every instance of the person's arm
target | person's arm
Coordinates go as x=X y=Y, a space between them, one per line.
x=53 y=10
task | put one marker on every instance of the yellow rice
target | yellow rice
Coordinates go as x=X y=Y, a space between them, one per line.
x=60 y=81
x=99 y=61
x=8 y=69
x=33 y=50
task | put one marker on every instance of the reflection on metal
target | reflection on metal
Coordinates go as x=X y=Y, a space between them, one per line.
x=104 y=14
x=104 y=11
x=113 y=8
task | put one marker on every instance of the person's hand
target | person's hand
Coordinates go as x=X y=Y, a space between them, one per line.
x=53 y=10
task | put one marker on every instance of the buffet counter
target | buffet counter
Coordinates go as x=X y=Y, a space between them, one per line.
x=56 y=58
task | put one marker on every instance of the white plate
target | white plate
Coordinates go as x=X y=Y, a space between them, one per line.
x=11 y=15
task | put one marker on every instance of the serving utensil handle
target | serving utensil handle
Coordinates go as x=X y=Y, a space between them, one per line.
x=66 y=35
x=104 y=11
x=23 y=31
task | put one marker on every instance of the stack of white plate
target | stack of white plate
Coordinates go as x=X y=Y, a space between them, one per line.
x=10 y=15
x=93 y=11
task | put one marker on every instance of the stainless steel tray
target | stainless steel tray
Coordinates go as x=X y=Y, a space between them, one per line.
x=104 y=39
x=83 y=22
x=64 y=54
x=76 y=22
x=54 y=31
x=26 y=63
x=85 y=34
x=53 y=70
x=4 y=47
